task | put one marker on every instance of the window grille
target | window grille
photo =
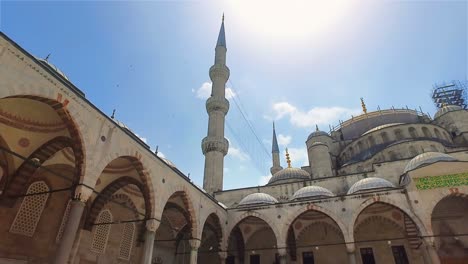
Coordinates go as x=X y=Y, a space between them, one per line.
x=101 y=232
x=127 y=241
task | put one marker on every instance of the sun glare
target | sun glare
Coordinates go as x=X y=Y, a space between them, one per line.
x=288 y=19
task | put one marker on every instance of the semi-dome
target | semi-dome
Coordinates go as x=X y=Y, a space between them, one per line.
x=312 y=191
x=446 y=109
x=381 y=127
x=290 y=174
x=371 y=183
x=53 y=67
x=426 y=159
x=257 y=199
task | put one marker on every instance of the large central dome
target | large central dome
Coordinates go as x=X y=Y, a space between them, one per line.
x=289 y=174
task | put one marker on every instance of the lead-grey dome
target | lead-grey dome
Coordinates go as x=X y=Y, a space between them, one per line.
x=371 y=183
x=53 y=67
x=312 y=191
x=257 y=199
x=317 y=133
x=290 y=174
x=426 y=159
x=446 y=109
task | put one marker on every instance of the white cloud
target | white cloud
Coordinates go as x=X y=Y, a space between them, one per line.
x=284 y=140
x=316 y=115
x=264 y=179
x=237 y=153
x=205 y=91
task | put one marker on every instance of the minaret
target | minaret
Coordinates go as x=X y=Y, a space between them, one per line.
x=214 y=145
x=275 y=154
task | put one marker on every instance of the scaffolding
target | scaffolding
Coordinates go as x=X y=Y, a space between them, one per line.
x=450 y=93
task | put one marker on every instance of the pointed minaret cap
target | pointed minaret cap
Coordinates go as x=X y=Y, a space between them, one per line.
x=274 y=145
x=221 y=37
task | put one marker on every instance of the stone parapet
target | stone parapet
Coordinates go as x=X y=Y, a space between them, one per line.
x=218 y=71
x=217 y=104
x=215 y=144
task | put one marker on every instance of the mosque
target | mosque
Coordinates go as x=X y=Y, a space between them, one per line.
x=78 y=186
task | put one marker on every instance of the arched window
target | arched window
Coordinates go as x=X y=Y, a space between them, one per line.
x=426 y=132
x=101 y=232
x=398 y=134
x=66 y=214
x=360 y=146
x=126 y=244
x=434 y=148
x=30 y=211
x=413 y=133
x=437 y=133
x=384 y=136
x=392 y=155
x=371 y=141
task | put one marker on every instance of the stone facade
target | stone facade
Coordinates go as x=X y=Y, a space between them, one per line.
x=79 y=187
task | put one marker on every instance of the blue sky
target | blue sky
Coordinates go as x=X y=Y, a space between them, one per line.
x=299 y=63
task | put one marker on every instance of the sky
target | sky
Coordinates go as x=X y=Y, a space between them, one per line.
x=298 y=63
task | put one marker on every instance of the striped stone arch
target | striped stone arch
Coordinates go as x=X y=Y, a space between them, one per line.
x=106 y=195
x=314 y=207
x=330 y=227
x=385 y=200
x=17 y=183
x=271 y=223
x=68 y=113
x=183 y=192
x=439 y=195
x=374 y=218
x=137 y=160
x=218 y=227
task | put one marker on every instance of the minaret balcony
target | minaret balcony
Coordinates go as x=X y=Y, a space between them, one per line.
x=217 y=104
x=215 y=144
x=218 y=71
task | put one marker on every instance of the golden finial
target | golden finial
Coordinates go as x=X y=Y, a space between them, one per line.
x=223 y=17
x=364 y=109
x=288 y=160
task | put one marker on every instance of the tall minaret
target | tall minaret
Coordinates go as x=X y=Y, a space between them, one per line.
x=214 y=145
x=275 y=154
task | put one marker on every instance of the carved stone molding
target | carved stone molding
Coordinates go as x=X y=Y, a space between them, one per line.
x=215 y=144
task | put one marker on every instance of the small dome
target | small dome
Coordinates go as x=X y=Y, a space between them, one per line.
x=381 y=127
x=426 y=159
x=317 y=133
x=446 y=109
x=312 y=191
x=53 y=67
x=370 y=183
x=257 y=199
x=289 y=174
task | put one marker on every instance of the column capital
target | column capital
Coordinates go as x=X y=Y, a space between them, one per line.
x=350 y=247
x=194 y=244
x=152 y=225
x=82 y=193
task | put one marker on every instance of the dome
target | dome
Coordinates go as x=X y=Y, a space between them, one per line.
x=370 y=183
x=317 y=133
x=446 y=109
x=426 y=159
x=53 y=67
x=290 y=174
x=257 y=199
x=312 y=191
x=381 y=127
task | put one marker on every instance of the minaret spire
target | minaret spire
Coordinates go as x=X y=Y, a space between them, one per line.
x=275 y=154
x=214 y=145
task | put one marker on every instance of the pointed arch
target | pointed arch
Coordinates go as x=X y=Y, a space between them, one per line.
x=16 y=184
x=106 y=194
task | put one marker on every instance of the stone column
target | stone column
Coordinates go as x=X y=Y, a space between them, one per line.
x=150 y=233
x=222 y=256
x=283 y=255
x=77 y=205
x=194 y=245
x=431 y=250
x=351 y=250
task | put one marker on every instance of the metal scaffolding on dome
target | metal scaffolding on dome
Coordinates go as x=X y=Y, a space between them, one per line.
x=450 y=93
